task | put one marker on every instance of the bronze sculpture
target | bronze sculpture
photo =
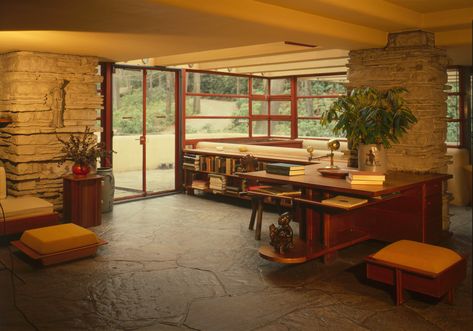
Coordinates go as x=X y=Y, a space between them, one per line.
x=282 y=235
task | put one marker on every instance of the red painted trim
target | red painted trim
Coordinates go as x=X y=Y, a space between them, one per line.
x=177 y=133
x=235 y=96
x=217 y=73
x=106 y=113
x=214 y=117
x=143 y=170
x=183 y=116
x=294 y=131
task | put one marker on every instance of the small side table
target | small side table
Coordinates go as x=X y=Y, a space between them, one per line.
x=82 y=200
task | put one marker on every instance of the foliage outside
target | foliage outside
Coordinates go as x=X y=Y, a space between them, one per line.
x=370 y=116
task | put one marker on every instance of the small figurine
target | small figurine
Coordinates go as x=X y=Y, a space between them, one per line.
x=281 y=236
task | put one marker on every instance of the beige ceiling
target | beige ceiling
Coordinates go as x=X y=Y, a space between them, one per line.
x=272 y=37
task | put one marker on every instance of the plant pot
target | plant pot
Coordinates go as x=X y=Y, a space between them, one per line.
x=80 y=169
x=372 y=158
x=108 y=188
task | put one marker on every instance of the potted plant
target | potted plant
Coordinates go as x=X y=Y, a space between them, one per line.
x=372 y=120
x=83 y=150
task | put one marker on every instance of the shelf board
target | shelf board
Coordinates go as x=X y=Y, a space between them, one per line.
x=213 y=172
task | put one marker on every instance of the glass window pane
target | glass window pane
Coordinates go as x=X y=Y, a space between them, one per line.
x=259 y=107
x=216 y=128
x=280 y=86
x=452 y=106
x=453 y=80
x=280 y=128
x=216 y=106
x=453 y=133
x=260 y=128
x=280 y=107
x=313 y=129
x=260 y=86
x=160 y=101
x=313 y=107
x=216 y=84
x=328 y=85
x=128 y=103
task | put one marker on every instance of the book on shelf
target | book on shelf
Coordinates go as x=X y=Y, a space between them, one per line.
x=366 y=175
x=200 y=184
x=344 y=201
x=364 y=181
x=285 y=166
x=285 y=172
x=279 y=190
x=286 y=169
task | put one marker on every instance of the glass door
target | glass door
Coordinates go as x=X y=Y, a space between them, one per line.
x=144 y=134
x=160 y=131
x=128 y=132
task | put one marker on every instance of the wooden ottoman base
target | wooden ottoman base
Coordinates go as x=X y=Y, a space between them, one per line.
x=405 y=278
x=59 y=257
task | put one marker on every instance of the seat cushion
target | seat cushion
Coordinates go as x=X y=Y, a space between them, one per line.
x=58 y=238
x=413 y=254
x=25 y=207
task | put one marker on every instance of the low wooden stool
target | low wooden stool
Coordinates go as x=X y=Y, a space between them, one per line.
x=58 y=243
x=417 y=267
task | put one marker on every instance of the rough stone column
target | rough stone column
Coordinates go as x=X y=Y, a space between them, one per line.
x=411 y=60
x=45 y=95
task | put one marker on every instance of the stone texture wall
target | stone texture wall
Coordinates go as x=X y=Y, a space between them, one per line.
x=410 y=60
x=45 y=96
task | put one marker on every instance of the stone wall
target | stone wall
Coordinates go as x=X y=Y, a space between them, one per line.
x=45 y=96
x=410 y=60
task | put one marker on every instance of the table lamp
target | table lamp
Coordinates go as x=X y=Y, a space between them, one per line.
x=333 y=145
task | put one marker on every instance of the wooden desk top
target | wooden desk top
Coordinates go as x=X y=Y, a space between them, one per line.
x=395 y=181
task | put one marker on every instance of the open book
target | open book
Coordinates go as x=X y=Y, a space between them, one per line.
x=344 y=201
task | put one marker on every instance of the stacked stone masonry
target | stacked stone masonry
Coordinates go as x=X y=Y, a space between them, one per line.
x=410 y=60
x=46 y=96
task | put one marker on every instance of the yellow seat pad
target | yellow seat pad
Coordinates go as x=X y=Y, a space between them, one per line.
x=413 y=254
x=58 y=238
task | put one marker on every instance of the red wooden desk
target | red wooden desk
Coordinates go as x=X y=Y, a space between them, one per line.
x=407 y=206
x=82 y=200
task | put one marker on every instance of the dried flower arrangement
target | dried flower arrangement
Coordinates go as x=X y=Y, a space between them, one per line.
x=83 y=149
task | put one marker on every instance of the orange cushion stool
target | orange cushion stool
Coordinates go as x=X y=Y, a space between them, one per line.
x=58 y=243
x=417 y=267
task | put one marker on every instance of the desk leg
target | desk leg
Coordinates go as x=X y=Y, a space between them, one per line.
x=259 y=219
x=327 y=240
x=254 y=208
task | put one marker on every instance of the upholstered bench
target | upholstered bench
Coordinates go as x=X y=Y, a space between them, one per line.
x=417 y=267
x=58 y=243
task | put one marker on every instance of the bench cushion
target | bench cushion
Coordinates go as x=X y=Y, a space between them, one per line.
x=58 y=238
x=25 y=207
x=418 y=255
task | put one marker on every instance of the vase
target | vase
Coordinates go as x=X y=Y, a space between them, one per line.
x=80 y=169
x=108 y=188
x=372 y=157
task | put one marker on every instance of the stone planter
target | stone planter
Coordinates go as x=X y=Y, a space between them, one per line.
x=372 y=158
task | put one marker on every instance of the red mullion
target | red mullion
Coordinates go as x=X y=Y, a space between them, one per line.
x=294 y=129
x=177 y=138
x=217 y=73
x=335 y=73
x=250 y=107
x=183 y=107
x=145 y=92
x=216 y=117
x=280 y=98
x=236 y=96
x=106 y=113
x=328 y=96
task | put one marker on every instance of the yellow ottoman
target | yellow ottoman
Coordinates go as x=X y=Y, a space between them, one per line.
x=418 y=267
x=58 y=243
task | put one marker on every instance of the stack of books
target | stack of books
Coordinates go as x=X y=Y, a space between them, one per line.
x=342 y=201
x=200 y=184
x=234 y=190
x=191 y=162
x=365 y=178
x=217 y=182
x=286 y=169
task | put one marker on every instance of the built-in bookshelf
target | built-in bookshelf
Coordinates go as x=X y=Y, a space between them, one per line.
x=217 y=172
